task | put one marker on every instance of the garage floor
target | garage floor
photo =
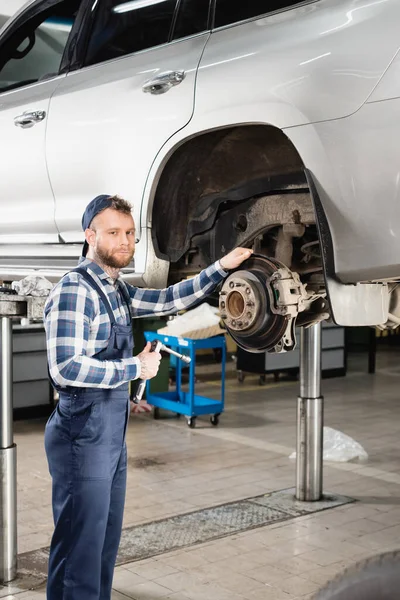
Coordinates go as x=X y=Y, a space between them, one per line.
x=174 y=471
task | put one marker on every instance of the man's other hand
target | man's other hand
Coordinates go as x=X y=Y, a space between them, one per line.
x=149 y=362
x=142 y=407
x=235 y=258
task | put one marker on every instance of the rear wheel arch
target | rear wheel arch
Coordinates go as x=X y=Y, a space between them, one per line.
x=217 y=172
x=247 y=185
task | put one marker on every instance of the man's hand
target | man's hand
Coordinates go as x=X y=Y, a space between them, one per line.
x=142 y=407
x=149 y=362
x=235 y=258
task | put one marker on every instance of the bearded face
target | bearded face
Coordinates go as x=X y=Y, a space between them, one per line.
x=116 y=259
x=112 y=239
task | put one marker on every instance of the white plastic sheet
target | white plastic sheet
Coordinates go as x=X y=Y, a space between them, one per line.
x=201 y=317
x=339 y=447
x=32 y=285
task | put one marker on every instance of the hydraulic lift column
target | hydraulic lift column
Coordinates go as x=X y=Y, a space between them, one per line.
x=32 y=308
x=8 y=461
x=310 y=418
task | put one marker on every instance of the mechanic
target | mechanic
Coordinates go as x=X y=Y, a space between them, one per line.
x=88 y=322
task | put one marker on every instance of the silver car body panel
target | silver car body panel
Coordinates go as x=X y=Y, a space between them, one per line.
x=25 y=188
x=307 y=64
x=315 y=89
x=325 y=72
x=112 y=130
x=355 y=163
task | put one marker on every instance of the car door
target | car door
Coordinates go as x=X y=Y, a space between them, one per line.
x=31 y=50
x=293 y=62
x=135 y=89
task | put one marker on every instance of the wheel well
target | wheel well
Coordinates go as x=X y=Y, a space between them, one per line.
x=214 y=173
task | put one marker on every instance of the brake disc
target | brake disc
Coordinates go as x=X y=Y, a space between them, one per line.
x=246 y=305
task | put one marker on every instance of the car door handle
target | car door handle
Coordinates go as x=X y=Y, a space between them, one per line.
x=29 y=118
x=164 y=82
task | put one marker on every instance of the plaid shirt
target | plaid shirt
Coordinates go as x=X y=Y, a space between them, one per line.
x=78 y=327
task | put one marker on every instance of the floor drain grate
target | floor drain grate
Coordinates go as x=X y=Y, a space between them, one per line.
x=151 y=539
x=143 y=541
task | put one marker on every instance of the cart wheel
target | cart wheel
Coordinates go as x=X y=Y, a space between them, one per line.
x=156 y=413
x=240 y=376
x=214 y=419
x=276 y=376
x=191 y=422
x=261 y=380
x=178 y=415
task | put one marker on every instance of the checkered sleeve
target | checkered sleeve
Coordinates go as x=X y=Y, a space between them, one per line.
x=177 y=297
x=68 y=315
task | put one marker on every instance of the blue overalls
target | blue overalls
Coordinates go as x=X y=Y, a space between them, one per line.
x=86 y=452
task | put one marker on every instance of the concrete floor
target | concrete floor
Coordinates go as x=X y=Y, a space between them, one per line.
x=175 y=470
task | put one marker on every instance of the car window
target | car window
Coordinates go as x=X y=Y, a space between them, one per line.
x=192 y=18
x=121 y=28
x=228 y=11
x=33 y=52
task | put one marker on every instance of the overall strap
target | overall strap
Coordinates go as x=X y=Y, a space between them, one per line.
x=98 y=289
x=127 y=299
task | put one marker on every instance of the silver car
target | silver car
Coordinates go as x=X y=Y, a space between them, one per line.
x=268 y=124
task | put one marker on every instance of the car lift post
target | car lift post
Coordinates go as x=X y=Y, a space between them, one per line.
x=32 y=308
x=8 y=461
x=310 y=418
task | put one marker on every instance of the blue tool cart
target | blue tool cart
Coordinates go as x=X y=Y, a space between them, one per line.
x=188 y=403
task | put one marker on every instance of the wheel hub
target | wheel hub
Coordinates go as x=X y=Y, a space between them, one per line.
x=247 y=305
x=240 y=303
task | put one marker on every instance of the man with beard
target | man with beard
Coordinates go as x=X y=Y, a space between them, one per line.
x=88 y=322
